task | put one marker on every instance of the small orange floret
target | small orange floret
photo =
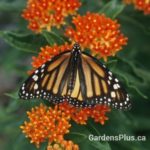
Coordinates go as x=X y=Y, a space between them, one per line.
x=97 y=32
x=43 y=14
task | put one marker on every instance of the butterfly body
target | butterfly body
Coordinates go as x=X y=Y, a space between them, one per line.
x=78 y=78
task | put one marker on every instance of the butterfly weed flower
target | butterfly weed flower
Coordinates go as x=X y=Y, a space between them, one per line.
x=44 y=14
x=67 y=145
x=81 y=115
x=97 y=32
x=51 y=124
x=143 y=5
x=45 y=123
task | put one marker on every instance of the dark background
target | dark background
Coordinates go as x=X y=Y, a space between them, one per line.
x=131 y=65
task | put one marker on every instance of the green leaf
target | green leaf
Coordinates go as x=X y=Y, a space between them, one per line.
x=78 y=133
x=136 y=23
x=12 y=95
x=48 y=37
x=52 y=38
x=112 y=9
x=100 y=145
x=128 y=73
x=23 y=42
x=136 y=89
x=131 y=66
x=81 y=135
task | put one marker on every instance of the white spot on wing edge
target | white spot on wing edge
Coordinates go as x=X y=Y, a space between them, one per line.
x=43 y=66
x=37 y=92
x=36 y=71
x=108 y=82
x=110 y=78
x=109 y=100
x=23 y=92
x=35 y=77
x=116 y=80
x=115 y=86
x=42 y=70
x=110 y=72
x=127 y=99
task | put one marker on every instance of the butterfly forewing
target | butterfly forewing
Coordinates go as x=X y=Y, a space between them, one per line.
x=46 y=80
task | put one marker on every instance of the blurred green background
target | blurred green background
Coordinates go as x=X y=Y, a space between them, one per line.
x=131 y=65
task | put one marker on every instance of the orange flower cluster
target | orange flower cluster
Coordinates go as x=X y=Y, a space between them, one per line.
x=43 y=14
x=81 y=115
x=47 y=123
x=143 y=5
x=47 y=53
x=97 y=32
x=63 y=145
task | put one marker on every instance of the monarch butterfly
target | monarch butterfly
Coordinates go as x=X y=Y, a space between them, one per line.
x=78 y=78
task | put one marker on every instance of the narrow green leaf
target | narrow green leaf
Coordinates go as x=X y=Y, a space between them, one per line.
x=92 y=127
x=133 y=69
x=12 y=95
x=131 y=21
x=100 y=145
x=28 y=43
x=111 y=62
x=133 y=86
x=81 y=135
x=131 y=66
x=49 y=38
x=52 y=38
x=112 y=8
